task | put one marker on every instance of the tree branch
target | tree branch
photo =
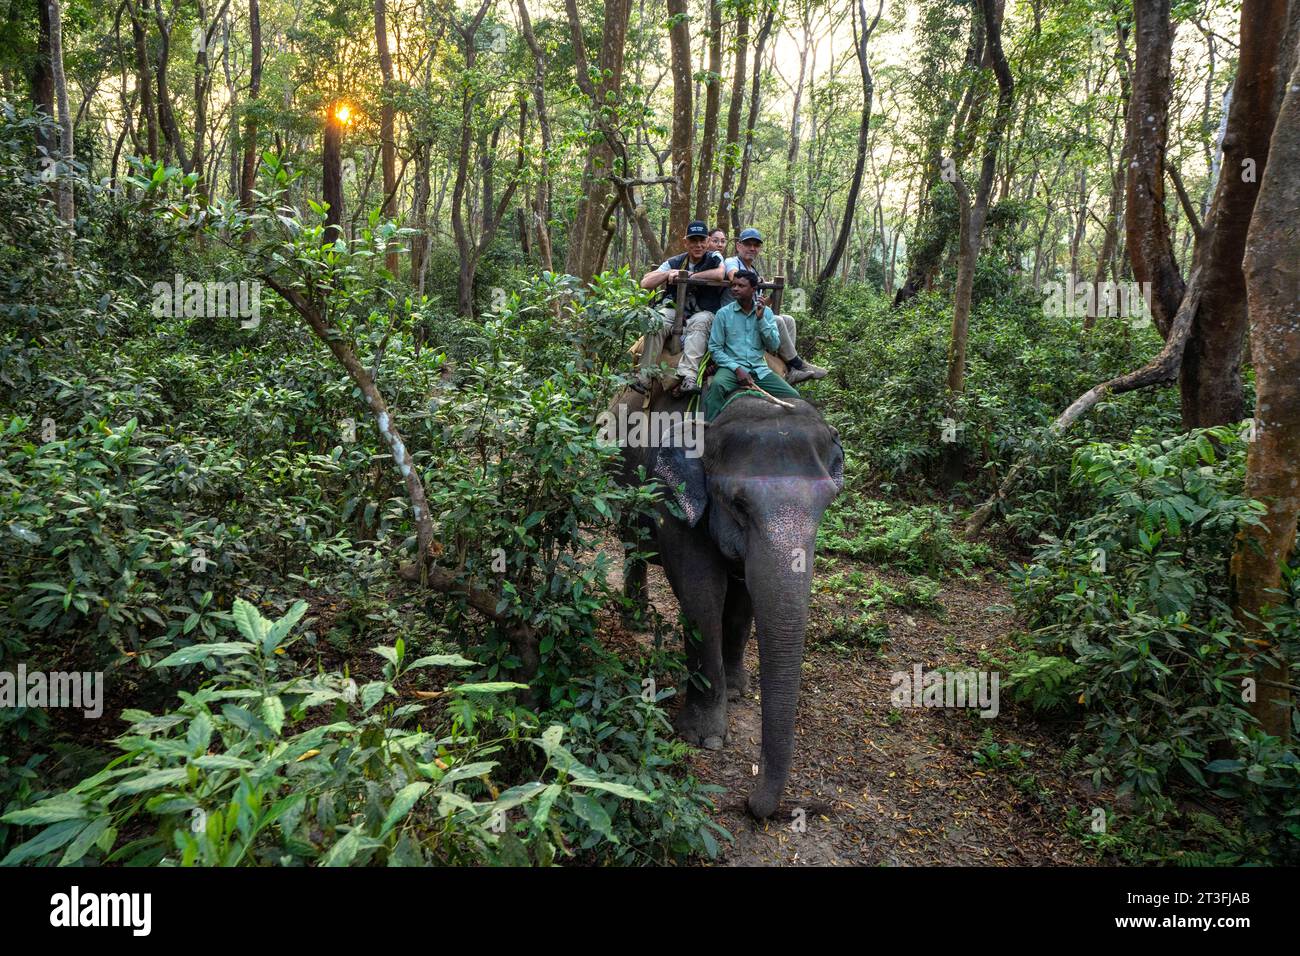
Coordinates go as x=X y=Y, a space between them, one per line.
x=1161 y=370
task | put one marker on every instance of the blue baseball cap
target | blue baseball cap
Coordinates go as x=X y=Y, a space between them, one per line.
x=750 y=233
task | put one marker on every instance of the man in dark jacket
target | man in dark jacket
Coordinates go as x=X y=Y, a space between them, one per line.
x=700 y=262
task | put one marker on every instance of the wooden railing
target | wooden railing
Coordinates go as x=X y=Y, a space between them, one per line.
x=776 y=285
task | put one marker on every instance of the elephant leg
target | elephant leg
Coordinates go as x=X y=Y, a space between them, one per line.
x=737 y=622
x=700 y=585
x=634 y=589
x=634 y=538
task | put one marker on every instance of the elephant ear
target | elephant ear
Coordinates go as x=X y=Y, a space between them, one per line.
x=682 y=475
x=837 y=462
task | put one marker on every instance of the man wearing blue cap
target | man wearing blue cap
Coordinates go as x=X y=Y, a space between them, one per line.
x=700 y=262
x=748 y=246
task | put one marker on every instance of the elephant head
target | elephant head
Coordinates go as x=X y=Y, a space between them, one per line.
x=766 y=476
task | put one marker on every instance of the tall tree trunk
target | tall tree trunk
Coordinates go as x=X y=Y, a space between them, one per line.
x=166 y=115
x=679 y=40
x=248 y=174
x=1210 y=380
x=933 y=232
x=1111 y=235
x=586 y=238
x=332 y=176
x=1150 y=246
x=712 y=105
x=42 y=80
x=1272 y=272
x=144 y=78
x=464 y=242
x=791 y=154
x=731 y=149
x=862 y=36
x=420 y=216
x=541 y=210
x=747 y=152
x=470 y=248
x=67 y=152
x=387 y=143
x=973 y=213
x=202 y=71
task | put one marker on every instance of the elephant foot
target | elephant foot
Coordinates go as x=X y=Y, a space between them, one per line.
x=737 y=682
x=763 y=801
x=703 y=727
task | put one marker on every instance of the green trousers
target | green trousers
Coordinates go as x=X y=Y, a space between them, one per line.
x=724 y=384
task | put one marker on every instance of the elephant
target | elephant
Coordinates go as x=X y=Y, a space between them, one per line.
x=735 y=533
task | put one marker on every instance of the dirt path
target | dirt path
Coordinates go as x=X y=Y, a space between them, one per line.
x=878 y=785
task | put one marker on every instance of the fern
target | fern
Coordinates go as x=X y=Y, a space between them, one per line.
x=1045 y=682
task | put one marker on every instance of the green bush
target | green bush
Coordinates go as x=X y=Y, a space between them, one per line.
x=243 y=772
x=887 y=393
x=920 y=538
x=175 y=435
x=1137 y=597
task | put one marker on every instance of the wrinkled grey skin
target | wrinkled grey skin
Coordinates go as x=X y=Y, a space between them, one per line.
x=739 y=552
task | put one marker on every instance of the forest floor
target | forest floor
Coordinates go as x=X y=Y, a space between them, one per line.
x=883 y=786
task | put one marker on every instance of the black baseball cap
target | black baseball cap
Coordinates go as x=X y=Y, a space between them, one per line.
x=697 y=228
x=750 y=233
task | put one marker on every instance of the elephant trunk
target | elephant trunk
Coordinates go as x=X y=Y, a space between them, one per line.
x=780 y=583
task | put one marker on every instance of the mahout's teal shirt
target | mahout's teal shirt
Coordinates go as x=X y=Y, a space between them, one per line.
x=737 y=339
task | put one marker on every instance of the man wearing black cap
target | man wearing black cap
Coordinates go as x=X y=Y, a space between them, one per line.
x=748 y=246
x=700 y=262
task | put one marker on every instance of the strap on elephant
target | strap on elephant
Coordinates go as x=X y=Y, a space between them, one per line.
x=707 y=368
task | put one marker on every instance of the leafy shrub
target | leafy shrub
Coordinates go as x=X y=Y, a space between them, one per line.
x=1046 y=683
x=1137 y=597
x=847 y=632
x=887 y=393
x=244 y=772
x=175 y=435
x=918 y=538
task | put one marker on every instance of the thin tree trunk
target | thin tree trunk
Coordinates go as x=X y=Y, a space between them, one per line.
x=387 y=142
x=332 y=177
x=1111 y=235
x=712 y=105
x=541 y=209
x=464 y=242
x=67 y=152
x=166 y=116
x=42 y=80
x=679 y=40
x=730 y=151
x=586 y=238
x=862 y=37
x=144 y=79
x=420 y=217
x=791 y=154
x=248 y=176
x=973 y=213
x=197 y=158
x=747 y=152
